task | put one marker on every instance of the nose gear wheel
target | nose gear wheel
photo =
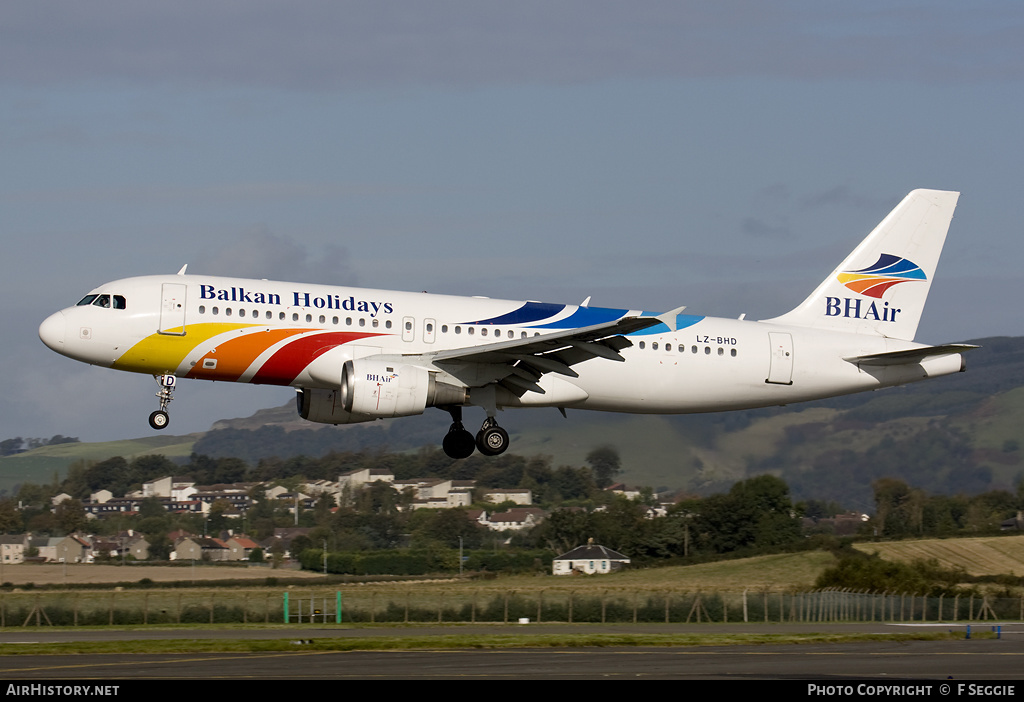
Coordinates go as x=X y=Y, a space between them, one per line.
x=160 y=419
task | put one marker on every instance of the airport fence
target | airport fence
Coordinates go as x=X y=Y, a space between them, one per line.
x=419 y=604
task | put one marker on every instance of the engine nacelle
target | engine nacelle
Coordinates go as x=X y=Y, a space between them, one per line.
x=383 y=389
x=372 y=389
x=386 y=389
x=325 y=407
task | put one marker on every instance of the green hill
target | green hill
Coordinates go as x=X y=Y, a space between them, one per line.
x=961 y=433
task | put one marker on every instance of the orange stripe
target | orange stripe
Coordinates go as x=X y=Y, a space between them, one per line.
x=235 y=355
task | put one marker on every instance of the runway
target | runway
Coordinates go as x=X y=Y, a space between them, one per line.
x=963 y=659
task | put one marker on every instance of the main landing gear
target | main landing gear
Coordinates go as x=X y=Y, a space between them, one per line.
x=491 y=440
x=160 y=419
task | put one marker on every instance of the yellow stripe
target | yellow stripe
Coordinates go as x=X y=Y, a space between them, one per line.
x=163 y=353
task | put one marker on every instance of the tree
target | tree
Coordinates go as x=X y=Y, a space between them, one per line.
x=11 y=446
x=605 y=463
x=70 y=516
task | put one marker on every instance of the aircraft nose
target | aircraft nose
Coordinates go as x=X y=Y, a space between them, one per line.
x=51 y=331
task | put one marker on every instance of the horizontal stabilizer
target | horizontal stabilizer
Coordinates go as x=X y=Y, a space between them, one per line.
x=898 y=358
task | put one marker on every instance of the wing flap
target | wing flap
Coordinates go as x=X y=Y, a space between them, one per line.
x=519 y=364
x=578 y=339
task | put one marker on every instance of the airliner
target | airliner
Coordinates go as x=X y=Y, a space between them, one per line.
x=356 y=355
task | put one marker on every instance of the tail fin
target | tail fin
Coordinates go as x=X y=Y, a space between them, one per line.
x=881 y=287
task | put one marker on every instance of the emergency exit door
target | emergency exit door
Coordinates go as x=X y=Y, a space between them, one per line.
x=781 y=369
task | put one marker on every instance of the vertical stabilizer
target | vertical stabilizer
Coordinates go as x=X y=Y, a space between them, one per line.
x=882 y=286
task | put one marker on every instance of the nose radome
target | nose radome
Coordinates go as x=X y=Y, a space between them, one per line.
x=51 y=331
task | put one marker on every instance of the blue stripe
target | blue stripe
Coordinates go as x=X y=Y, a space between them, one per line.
x=527 y=314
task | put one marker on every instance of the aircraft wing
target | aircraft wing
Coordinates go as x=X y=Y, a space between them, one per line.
x=895 y=358
x=519 y=363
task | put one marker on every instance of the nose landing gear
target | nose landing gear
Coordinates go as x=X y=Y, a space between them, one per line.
x=160 y=419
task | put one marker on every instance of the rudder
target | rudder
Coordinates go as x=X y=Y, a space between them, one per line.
x=882 y=286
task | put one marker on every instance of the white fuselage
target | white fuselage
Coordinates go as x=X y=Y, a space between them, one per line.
x=265 y=332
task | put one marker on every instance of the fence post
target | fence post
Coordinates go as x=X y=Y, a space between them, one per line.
x=285 y=607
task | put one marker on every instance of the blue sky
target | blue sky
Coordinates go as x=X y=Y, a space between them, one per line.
x=724 y=156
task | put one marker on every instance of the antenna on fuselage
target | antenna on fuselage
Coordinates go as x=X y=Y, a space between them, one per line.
x=182 y=271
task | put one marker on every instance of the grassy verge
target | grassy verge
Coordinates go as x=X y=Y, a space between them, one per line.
x=461 y=641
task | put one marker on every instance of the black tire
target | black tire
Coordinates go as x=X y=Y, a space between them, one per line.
x=159 y=420
x=492 y=441
x=458 y=444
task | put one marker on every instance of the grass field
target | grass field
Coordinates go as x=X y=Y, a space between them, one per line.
x=994 y=555
x=39 y=465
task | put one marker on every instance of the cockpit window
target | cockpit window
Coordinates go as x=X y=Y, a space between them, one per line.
x=108 y=301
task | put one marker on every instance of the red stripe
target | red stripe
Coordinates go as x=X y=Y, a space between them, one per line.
x=286 y=364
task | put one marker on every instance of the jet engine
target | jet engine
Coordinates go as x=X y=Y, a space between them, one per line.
x=372 y=389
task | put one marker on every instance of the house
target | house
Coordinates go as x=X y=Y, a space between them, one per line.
x=591 y=558
x=177 y=489
x=235 y=494
x=356 y=479
x=239 y=548
x=101 y=496
x=136 y=546
x=199 y=548
x=518 y=496
x=12 y=548
x=65 y=549
x=515 y=519
x=282 y=540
